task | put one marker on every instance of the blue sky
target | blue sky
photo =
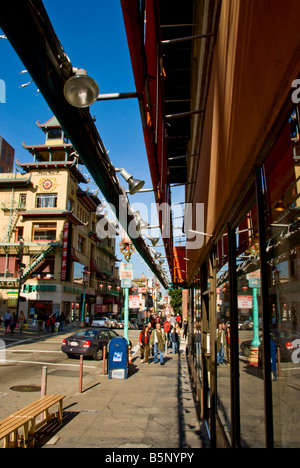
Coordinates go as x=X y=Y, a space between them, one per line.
x=93 y=36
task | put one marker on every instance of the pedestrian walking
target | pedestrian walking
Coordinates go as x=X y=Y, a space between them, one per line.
x=158 y=342
x=47 y=322
x=174 y=340
x=185 y=324
x=221 y=343
x=228 y=345
x=52 y=322
x=13 y=323
x=62 y=320
x=21 y=322
x=167 y=328
x=144 y=340
x=7 y=318
x=40 y=320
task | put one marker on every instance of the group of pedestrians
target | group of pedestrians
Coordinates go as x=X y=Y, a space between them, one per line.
x=12 y=322
x=49 y=322
x=156 y=335
x=52 y=323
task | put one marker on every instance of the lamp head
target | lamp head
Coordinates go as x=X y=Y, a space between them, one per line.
x=81 y=90
x=154 y=240
x=141 y=223
x=135 y=185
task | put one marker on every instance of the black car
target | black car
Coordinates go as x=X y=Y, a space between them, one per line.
x=284 y=339
x=88 y=342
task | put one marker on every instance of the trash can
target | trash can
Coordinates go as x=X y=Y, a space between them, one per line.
x=118 y=358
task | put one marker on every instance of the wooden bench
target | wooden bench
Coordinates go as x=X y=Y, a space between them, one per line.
x=10 y=426
x=26 y=418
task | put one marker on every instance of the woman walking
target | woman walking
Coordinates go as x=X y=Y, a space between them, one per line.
x=144 y=341
x=21 y=322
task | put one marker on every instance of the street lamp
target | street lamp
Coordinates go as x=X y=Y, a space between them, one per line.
x=135 y=185
x=21 y=271
x=154 y=240
x=141 y=223
x=85 y=280
x=81 y=90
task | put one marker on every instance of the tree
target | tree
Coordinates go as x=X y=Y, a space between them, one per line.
x=176 y=300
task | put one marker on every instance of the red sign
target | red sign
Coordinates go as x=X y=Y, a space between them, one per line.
x=65 y=252
x=245 y=302
x=134 y=302
x=101 y=309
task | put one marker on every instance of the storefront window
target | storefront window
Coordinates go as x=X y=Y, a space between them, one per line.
x=250 y=331
x=282 y=199
x=197 y=326
x=223 y=335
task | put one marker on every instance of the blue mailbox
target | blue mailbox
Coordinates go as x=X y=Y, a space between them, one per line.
x=118 y=358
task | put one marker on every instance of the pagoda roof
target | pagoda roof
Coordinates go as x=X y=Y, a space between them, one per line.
x=19 y=181
x=90 y=199
x=42 y=151
x=52 y=123
x=52 y=213
x=64 y=146
x=71 y=165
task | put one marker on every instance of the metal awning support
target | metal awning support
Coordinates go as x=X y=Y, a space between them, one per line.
x=31 y=34
x=188 y=38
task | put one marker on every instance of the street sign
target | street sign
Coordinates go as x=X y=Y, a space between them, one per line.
x=126 y=283
x=254 y=279
x=254 y=282
x=126 y=271
x=245 y=302
x=134 y=302
x=254 y=274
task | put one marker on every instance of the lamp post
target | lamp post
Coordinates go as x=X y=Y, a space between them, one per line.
x=21 y=270
x=254 y=283
x=127 y=249
x=85 y=280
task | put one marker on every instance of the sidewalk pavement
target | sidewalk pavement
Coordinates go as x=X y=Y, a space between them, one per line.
x=153 y=408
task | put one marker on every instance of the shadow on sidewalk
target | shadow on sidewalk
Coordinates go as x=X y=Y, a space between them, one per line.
x=186 y=404
x=44 y=435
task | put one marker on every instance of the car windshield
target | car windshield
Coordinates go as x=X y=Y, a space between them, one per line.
x=86 y=334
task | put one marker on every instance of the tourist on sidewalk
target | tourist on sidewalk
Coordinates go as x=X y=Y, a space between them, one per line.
x=174 y=338
x=21 y=322
x=158 y=342
x=7 y=319
x=144 y=340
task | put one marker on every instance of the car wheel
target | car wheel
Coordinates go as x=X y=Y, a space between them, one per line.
x=98 y=356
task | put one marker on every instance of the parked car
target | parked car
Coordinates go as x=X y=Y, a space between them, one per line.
x=283 y=339
x=101 y=322
x=247 y=325
x=121 y=324
x=88 y=342
x=114 y=323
